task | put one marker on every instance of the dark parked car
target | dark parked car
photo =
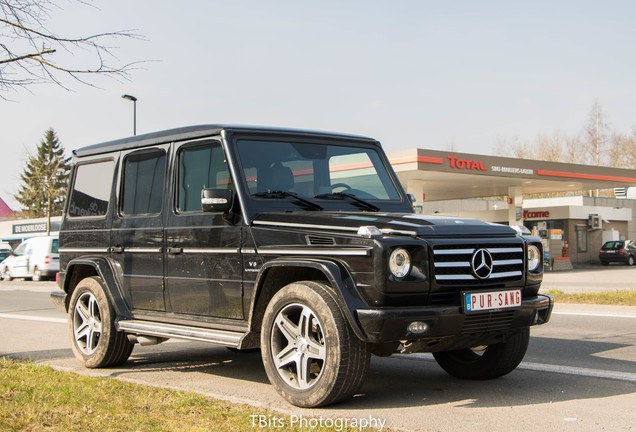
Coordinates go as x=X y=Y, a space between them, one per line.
x=300 y=243
x=623 y=251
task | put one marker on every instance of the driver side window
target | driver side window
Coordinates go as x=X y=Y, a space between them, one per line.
x=201 y=166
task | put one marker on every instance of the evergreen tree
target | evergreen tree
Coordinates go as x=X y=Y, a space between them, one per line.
x=44 y=179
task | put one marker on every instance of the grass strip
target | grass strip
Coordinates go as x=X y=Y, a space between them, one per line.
x=620 y=298
x=38 y=398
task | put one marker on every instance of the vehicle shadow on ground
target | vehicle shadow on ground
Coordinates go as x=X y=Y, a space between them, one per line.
x=393 y=382
x=194 y=357
x=401 y=382
x=41 y=356
x=398 y=381
x=591 y=350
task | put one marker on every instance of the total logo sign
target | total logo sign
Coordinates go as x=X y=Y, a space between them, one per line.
x=468 y=164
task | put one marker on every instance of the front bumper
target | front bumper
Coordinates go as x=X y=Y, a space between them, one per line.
x=447 y=323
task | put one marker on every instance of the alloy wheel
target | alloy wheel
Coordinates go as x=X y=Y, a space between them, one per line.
x=298 y=346
x=87 y=323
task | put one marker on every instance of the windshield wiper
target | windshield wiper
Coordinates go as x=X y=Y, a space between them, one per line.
x=284 y=194
x=342 y=195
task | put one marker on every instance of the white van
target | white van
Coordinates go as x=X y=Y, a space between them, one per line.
x=36 y=258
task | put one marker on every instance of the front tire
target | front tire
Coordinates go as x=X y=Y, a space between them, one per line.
x=6 y=274
x=94 y=338
x=310 y=354
x=630 y=261
x=492 y=362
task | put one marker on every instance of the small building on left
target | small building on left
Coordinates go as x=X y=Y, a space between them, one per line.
x=14 y=231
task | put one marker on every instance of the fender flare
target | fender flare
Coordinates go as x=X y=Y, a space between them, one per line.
x=343 y=290
x=106 y=270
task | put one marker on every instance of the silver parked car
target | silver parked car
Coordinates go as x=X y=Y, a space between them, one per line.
x=36 y=258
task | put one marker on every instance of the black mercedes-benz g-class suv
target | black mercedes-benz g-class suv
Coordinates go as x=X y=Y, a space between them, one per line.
x=300 y=243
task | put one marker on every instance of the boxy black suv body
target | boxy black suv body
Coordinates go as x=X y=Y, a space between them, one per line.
x=300 y=243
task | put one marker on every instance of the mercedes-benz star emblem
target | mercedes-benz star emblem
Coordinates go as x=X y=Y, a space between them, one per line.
x=482 y=264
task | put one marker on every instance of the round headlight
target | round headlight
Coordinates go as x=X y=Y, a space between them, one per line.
x=534 y=257
x=400 y=263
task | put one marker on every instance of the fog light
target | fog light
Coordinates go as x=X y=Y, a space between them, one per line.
x=417 y=327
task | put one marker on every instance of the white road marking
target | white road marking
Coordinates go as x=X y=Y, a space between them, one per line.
x=34 y=318
x=579 y=371
x=540 y=367
x=35 y=290
x=594 y=315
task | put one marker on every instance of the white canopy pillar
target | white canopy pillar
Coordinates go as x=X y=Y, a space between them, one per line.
x=416 y=187
x=515 y=206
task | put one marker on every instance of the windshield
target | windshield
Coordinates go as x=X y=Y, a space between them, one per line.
x=314 y=171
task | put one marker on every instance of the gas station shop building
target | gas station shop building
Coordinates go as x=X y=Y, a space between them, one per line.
x=495 y=189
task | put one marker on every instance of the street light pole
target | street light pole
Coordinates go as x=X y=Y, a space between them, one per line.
x=134 y=101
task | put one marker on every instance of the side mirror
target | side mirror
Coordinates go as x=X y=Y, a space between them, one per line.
x=216 y=200
x=411 y=198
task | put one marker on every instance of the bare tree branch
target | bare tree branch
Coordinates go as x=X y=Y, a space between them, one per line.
x=27 y=56
x=29 y=52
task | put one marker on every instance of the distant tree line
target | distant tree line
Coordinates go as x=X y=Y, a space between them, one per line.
x=596 y=144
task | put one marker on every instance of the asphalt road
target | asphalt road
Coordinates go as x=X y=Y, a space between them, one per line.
x=579 y=373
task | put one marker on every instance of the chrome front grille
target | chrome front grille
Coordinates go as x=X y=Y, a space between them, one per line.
x=455 y=264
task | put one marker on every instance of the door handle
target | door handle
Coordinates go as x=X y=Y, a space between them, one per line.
x=117 y=249
x=174 y=250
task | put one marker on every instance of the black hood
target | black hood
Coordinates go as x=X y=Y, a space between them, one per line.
x=395 y=223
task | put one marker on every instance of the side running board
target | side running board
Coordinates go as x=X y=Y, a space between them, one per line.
x=149 y=328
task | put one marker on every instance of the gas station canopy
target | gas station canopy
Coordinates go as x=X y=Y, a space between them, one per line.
x=434 y=175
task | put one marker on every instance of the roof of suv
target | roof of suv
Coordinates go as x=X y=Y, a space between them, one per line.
x=200 y=131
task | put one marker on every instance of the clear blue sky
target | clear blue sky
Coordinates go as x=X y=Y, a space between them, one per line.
x=426 y=74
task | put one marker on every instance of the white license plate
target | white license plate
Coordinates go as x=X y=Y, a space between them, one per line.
x=481 y=301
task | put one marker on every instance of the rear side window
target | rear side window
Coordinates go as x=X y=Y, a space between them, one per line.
x=55 y=245
x=91 y=189
x=143 y=184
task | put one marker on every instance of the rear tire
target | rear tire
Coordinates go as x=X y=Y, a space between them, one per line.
x=37 y=275
x=310 y=353
x=493 y=362
x=94 y=338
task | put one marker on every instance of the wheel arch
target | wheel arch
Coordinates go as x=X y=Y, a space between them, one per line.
x=278 y=273
x=81 y=268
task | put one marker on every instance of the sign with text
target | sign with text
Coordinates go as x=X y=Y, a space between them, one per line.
x=29 y=228
x=468 y=164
